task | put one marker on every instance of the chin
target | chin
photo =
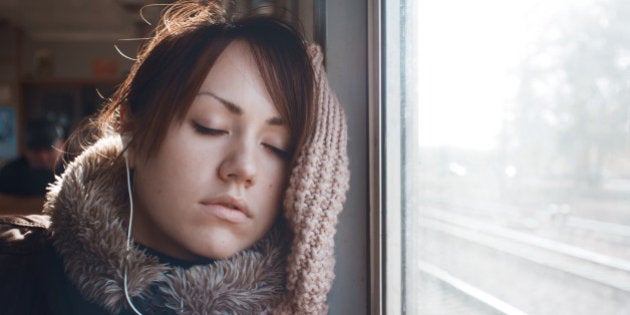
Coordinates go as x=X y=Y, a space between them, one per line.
x=219 y=253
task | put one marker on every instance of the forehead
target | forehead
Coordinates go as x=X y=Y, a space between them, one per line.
x=236 y=62
x=235 y=77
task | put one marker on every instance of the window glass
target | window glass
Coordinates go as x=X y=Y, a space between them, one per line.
x=514 y=156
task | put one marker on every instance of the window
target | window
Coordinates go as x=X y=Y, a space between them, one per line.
x=507 y=156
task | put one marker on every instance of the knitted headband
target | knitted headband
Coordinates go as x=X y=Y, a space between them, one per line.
x=314 y=198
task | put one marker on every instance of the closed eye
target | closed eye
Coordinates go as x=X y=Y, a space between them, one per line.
x=208 y=131
x=279 y=152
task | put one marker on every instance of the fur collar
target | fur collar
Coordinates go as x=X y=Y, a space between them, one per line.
x=88 y=205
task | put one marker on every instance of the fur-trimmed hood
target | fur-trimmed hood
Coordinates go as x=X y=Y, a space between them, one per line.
x=89 y=208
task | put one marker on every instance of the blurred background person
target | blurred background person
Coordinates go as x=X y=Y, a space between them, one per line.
x=30 y=174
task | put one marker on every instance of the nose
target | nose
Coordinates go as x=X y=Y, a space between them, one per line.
x=239 y=165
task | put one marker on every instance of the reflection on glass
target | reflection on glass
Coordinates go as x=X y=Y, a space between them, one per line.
x=517 y=134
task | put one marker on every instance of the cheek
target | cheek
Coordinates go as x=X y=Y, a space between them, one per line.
x=279 y=184
x=275 y=188
x=169 y=174
x=276 y=177
x=185 y=159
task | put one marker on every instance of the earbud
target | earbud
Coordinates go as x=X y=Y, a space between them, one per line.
x=126 y=139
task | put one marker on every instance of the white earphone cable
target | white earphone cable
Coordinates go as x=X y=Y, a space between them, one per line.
x=129 y=238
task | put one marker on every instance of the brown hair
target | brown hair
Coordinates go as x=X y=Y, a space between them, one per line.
x=172 y=65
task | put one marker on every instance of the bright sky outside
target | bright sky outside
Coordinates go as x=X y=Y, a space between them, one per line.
x=467 y=64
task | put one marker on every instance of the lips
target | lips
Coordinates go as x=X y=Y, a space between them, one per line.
x=227 y=208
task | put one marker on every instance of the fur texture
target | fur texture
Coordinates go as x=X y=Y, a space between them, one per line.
x=88 y=206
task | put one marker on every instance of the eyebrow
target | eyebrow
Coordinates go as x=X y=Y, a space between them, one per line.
x=235 y=109
x=231 y=107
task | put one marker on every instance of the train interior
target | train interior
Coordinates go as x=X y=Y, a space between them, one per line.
x=489 y=141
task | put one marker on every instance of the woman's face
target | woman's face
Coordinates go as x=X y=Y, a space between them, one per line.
x=215 y=186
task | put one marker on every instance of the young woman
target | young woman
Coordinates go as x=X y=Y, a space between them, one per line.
x=213 y=185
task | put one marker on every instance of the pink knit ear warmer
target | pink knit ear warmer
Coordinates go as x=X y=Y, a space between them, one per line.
x=314 y=198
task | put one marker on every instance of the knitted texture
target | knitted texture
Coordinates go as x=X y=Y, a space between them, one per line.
x=313 y=200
